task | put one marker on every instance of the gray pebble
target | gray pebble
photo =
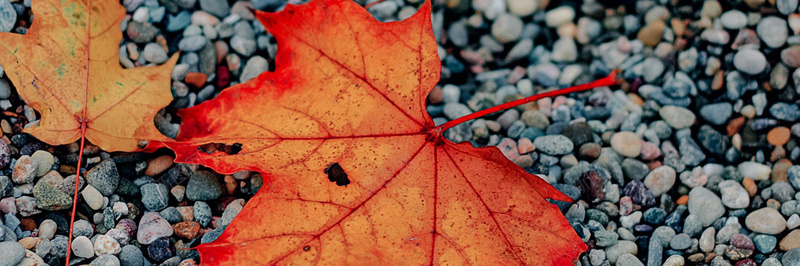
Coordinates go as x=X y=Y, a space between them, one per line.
x=155 y=196
x=8 y=17
x=202 y=186
x=773 y=31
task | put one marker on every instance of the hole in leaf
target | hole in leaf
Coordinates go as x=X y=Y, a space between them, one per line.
x=228 y=149
x=337 y=174
x=306 y=248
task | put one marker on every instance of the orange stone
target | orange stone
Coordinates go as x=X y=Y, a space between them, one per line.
x=187 y=230
x=158 y=165
x=196 y=79
x=750 y=186
x=683 y=200
x=734 y=125
x=779 y=136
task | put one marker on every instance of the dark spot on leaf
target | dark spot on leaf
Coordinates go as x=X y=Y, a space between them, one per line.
x=337 y=174
x=306 y=248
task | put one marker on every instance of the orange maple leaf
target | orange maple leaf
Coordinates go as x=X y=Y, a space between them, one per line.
x=357 y=171
x=67 y=68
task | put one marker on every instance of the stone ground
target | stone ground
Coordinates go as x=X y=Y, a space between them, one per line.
x=691 y=161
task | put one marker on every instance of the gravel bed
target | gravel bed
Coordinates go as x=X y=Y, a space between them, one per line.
x=690 y=161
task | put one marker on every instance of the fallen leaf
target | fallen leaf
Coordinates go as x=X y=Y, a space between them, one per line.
x=358 y=172
x=67 y=68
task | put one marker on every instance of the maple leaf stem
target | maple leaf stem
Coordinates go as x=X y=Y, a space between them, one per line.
x=609 y=80
x=83 y=122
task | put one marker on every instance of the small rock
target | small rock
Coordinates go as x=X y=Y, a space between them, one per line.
x=705 y=205
x=773 y=31
x=507 y=28
x=25 y=170
x=766 y=221
x=627 y=144
x=677 y=117
x=660 y=180
x=104 y=245
x=151 y=227
x=202 y=186
x=553 y=144
x=104 y=177
x=734 y=196
x=750 y=61
x=82 y=247
x=154 y=196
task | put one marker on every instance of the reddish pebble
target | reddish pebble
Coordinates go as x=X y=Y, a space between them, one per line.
x=195 y=79
x=158 y=165
x=8 y=205
x=734 y=125
x=187 y=230
x=650 y=151
x=742 y=241
x=525 y=145
x=509 y=148
x=625 y=206
x=27 y=224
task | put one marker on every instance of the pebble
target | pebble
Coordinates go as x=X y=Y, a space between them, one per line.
x=773 y=31
x=507 y=28
x=104 y=177
x=705 y=205
x=254 y=67
x=766 y=221
x=192 y=43
x=765 y=243
x=11 y=252
x=677 y=117
x=523 y=8
x=660 y=180
x=8 y=16
x=754 y=170
x=154 y=196
x=104 y=245
x=202 y=213
x=790 y=241
x=202 y=186
x=622 y=247
x=151 y=227
x=750 y=61
x=791 y=257
x=92 y=197
x=734 y=196
x=153 y=53
x=219 y=8
x=733 y=19
x=784 y=111
x=626 y=143
x=161 y=249
x=82 y=247
x=131 y=256
x=25 y=170
x=559 y=16
x=717 y=113
x=553 y=144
